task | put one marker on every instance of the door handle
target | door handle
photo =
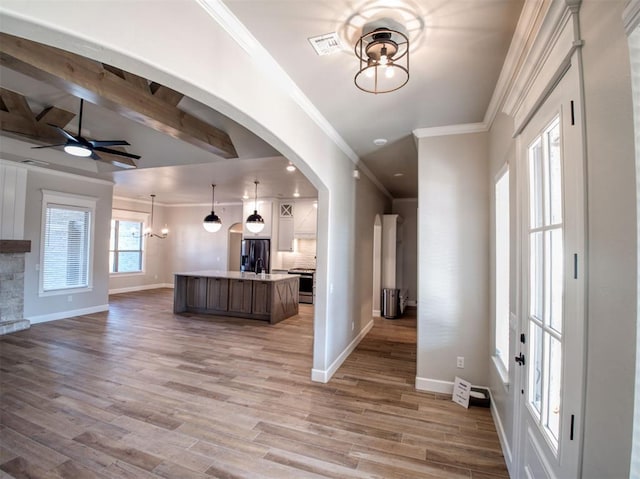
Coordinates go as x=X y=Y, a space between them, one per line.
x=520 y=359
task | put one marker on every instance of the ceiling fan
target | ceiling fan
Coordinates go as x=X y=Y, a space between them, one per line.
x=77 y=145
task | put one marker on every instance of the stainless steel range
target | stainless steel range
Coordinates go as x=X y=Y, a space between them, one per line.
x=307 y=289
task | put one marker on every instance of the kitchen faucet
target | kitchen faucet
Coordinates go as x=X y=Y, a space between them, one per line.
x=259 y=265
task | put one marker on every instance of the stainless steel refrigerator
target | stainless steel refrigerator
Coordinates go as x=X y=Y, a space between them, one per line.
x=254 y=255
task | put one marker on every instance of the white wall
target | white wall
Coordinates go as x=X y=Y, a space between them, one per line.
x=47 y=308
x=634 y=47
x=612 y=314
x=408 y=210
x=453 y=270
x=252 y=93
x=191 y=247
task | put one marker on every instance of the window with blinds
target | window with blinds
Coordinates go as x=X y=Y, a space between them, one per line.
x=66 y=243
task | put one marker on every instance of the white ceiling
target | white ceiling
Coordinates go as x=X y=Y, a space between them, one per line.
x=458 y=50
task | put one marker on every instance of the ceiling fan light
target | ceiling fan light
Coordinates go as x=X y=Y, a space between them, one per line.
x=77 y=150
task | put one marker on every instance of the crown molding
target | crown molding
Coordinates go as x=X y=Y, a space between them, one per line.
x=631 y=16
x=49 y=171
x=548 y=52
x=526 y=29
x=460 y=129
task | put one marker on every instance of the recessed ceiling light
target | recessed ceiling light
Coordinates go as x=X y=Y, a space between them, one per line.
x=290 y=167
x=398 y=174
x=380 y=141
x=296 y=195
x=245 y=196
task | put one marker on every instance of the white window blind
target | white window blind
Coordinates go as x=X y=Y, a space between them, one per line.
x=66 y=243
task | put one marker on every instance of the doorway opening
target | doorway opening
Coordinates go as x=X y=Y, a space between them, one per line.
x=235 y=245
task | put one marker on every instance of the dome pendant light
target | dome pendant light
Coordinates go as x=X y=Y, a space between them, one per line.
x=212 y=222
x=255 y=222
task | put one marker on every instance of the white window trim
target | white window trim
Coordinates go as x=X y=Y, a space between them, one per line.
x=499 y=364
x=128 y=215
x=74 y=201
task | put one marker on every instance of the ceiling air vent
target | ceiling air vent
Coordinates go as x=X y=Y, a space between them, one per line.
x=326 y=44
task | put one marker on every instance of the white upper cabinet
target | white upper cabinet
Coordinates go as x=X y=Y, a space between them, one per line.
x=264 y=210
x=305 y=218
x=285 y=226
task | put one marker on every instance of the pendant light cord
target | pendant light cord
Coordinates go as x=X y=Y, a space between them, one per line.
x=213 y=192
x=255 y=204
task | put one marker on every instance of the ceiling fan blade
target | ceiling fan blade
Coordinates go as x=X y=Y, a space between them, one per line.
x=116 y=152
x=94 y=156
x=47 y=146
x=122 y=162
x=65 y=133
x=103 y=143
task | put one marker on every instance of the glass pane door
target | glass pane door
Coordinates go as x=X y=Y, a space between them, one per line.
x=546 y=260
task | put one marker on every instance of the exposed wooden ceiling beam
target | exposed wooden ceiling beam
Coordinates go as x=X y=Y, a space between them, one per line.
x=16 y=117
x=131 y=96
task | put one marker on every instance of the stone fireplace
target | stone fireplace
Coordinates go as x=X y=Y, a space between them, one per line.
x=12 y=285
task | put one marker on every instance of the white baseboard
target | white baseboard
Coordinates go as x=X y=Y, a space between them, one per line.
x=142 y=287
x=504 y=444
x=376 y=313
x=413 y=304
x=323 y=376
x=434 y=385
x=67 y=314
x=438 y=386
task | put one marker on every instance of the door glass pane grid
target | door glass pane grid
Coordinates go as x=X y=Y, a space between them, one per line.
x=556 y=278
x=546 y=279
x=552 y=137
x=535 y=369
x=535 y=184
x=536 y=297
x=553 y=386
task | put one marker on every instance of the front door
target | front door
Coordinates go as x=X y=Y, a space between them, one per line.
x=551 y=343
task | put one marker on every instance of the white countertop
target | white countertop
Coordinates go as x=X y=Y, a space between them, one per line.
x=211 y=273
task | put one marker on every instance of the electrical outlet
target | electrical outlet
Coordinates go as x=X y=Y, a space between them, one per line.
x=69 y=298
x=460 y=362
x=353 y=325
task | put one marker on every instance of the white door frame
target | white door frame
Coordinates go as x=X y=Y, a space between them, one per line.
x=555 y=46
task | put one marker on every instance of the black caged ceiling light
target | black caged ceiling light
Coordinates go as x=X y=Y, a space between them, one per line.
x=383 y=54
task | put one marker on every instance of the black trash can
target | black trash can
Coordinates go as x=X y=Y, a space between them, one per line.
x=390 y=303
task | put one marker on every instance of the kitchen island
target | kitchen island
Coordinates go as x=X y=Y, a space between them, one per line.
x=272 y=297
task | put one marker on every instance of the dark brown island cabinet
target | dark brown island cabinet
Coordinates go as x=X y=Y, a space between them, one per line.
x=272 y=297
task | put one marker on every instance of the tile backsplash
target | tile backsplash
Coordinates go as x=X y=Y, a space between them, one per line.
x=303 y=255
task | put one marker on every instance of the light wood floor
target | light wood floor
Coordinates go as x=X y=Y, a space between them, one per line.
x=140 y=393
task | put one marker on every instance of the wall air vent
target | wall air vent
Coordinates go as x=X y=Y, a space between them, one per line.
x=326 y=44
